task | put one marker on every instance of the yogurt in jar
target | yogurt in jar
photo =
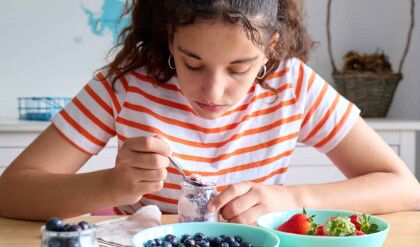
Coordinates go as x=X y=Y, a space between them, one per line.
x=192 y=205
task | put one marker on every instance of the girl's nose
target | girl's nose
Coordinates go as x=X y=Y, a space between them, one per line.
x=213 y=88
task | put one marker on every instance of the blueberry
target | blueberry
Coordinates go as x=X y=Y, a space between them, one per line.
x=204 y=243
x=235 y=244
x=66 y=227
x=217 y=241
x=169 y=236
x=54 y=224
x=222 y=236
x=166 y=244
x=224 y=244
x=150 y=243
x=208 y=239
x=56 y=242
x=185 y=237
x=238 y=238
x=73 y=242
x=198 y=236
x=75 y=228
x=84 y=225
x=189 y=242
x=171 y=239
x=158 y=241
x=230 y=240
x=245 y=244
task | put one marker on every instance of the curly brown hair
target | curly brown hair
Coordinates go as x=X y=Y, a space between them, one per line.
x=144 y=42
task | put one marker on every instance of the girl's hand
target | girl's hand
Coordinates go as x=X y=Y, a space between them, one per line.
x=244 y=202
x=140 y=169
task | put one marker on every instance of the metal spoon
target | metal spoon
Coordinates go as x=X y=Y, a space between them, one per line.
x=186 y=178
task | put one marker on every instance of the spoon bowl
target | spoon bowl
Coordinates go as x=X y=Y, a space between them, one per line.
x=186 y=178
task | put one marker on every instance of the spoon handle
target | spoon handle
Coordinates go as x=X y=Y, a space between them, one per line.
x=178 y=167
x=186 y=179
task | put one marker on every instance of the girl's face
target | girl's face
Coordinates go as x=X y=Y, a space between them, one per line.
x=216 y=65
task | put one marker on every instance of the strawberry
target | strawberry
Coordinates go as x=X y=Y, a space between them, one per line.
x=320 y=231
x=299 y=224
x=359 y=233
x=353 y=219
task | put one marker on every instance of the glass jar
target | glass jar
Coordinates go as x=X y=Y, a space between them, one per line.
x=84 y=238
x=192 y=205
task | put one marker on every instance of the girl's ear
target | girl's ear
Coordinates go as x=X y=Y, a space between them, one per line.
x=170 y=30
x=272 y=45
x=274 y=39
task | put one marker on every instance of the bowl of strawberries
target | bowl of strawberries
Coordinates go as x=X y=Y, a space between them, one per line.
x=325 y=228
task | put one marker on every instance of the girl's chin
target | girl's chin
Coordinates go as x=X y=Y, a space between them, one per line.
x=208 y=115
x=209 y=112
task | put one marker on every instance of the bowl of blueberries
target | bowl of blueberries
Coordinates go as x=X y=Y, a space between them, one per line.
x=207 y=234
x=55 y=233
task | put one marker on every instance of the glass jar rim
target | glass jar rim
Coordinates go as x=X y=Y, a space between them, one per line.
x=89 y=231
x=205 y=187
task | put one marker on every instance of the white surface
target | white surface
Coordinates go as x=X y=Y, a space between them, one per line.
x=14 y=125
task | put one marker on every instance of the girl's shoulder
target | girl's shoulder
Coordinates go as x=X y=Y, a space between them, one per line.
x=289 y=71
x=120 y=83
x=295 y=67
x=294 y=74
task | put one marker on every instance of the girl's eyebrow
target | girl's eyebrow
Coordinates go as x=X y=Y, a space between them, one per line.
x=188 y=53
x=242 y=60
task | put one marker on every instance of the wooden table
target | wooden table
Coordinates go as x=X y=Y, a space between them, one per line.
x=405 y=229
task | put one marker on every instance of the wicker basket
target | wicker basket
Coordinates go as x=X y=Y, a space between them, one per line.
x=371 y=92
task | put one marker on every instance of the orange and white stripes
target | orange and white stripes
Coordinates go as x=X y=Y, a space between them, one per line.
x=253 y=141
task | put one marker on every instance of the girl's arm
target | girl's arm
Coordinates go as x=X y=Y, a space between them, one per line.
x=41 y=182
x=379 y=182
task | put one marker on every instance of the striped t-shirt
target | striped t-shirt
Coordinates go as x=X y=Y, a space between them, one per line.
x=253 y=141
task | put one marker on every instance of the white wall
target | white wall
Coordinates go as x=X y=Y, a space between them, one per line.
x=366 y=26
x=46 y=48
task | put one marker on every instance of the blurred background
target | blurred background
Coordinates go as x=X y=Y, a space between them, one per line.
x=52 y=48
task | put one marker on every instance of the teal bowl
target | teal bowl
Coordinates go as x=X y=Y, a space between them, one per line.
x=273 y=220
x=257 y=236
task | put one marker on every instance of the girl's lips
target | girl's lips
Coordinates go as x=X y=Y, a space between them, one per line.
x=210 y=108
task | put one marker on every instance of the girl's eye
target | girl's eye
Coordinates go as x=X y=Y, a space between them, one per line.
x=238 y=72
x=193 y=68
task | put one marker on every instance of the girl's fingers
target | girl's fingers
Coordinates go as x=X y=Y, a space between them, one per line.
x=156 y=175
x=250 y=216
x=239 y=205
x=148 y=144
x=128 y=158
x=232 y=192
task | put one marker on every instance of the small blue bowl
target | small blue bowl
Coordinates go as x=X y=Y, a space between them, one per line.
x=257 y=236
x=273 y=220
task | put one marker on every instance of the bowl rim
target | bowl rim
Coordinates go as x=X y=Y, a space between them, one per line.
x=385 y=230
x=174 y=225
